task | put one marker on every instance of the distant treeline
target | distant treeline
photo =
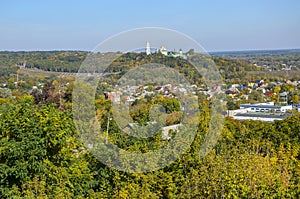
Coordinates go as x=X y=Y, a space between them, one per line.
x=58 y=61
x=70 y=61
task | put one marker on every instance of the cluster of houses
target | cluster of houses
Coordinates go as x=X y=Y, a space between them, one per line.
x=267 y=111
x=236 y=93
x=129 y=94
x=283 y=67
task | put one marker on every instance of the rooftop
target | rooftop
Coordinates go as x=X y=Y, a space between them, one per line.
x=259 y=106
x=262 y=115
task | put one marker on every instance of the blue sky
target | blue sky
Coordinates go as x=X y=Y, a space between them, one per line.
x=216 y=24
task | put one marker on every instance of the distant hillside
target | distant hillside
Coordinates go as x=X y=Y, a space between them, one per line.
x=229 y=68
x=70 y=61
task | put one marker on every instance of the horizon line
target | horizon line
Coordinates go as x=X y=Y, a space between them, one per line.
x=210 y=51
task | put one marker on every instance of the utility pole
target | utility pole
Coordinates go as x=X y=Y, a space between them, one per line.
x=106 y=135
